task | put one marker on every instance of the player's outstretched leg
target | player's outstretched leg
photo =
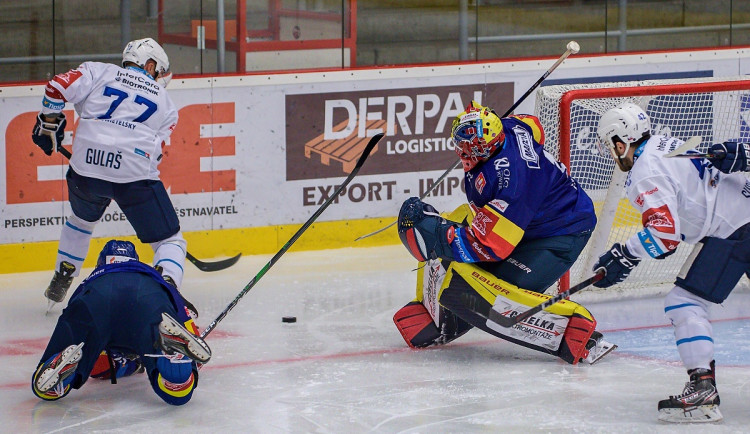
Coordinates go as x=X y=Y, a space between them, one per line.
x=60 y=282
x=699 y=401
x=597 y=348
x=177 y=339
x=52 y=378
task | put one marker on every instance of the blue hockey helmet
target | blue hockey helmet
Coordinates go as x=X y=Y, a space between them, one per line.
x=117 y=251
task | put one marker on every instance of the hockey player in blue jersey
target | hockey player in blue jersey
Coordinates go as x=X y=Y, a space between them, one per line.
x=124 y=307
x=524 y=226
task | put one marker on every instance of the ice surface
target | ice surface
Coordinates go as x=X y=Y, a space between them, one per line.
x=344 y=368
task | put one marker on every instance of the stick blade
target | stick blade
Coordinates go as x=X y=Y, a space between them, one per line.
x=213 y=266
x=370 y=146
x=502 y=320
x=689 y=144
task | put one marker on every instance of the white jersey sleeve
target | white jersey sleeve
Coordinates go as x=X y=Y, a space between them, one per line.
x=124 y=116
x=682 y=199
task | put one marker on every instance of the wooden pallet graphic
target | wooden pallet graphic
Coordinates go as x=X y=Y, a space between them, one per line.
x=346 y=151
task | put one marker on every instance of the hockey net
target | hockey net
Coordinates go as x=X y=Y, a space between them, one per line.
x=713 y=108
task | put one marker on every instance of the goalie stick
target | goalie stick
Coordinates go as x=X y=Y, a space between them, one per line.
x=201 y=265
x=370 y=145
x=571 y=48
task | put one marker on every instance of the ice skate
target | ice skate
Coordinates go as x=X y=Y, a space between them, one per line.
x=597 y=348
x=52 y=379
x=60 y=283
x=174 y=338
x=699 y=401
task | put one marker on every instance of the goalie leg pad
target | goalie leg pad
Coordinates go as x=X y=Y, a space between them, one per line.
x=575 y=338
x=416 y=325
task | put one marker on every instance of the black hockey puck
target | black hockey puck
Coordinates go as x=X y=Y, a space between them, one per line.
x=289 y=319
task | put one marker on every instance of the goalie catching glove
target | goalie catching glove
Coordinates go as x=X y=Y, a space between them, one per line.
x=617 y=263
x=48 y=135
x=424 y=233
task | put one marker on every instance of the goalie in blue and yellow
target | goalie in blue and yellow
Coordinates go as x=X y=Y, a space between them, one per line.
x=525 y=224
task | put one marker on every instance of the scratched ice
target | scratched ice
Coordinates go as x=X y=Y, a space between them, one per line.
x=343 y=366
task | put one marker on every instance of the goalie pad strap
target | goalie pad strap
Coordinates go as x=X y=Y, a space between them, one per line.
x=416 y=326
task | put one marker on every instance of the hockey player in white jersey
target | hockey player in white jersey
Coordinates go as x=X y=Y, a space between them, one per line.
x=686 y=200
x=124 y=118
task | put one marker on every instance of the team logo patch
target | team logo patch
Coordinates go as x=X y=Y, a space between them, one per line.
x=69 y=77
x=526 y=147
x=480 y=183
x=659 y=218
x=479 y=224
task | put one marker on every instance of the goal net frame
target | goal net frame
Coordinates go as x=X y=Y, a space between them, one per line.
x=710 y=107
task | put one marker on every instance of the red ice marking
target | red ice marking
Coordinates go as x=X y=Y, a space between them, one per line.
x=657 y=326
x=23 y=347
x=221 y=334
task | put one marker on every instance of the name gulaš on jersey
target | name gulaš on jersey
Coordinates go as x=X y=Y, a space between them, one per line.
x=97 y=157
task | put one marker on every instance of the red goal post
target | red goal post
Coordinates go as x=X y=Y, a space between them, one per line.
x=716 y=109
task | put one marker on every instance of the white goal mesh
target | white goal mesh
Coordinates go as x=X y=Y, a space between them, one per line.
x=713 y=108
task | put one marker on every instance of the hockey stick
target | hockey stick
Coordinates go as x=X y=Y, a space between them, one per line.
x=505 y=321
x=201 y=265
x=689 y=144
x=370 y=145
x=571 y=48
x=213 y=266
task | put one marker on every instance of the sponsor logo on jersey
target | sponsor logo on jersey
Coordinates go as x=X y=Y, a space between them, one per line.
x=526 y=147
x=503 y=178
x=459 y=248
x=480 y=183
x=142 y=153
x=640 y=199
x=746 y=189
x=479 y=250
x=499 y=204
x=501 y=162
x=648 y=243
x=56 y=106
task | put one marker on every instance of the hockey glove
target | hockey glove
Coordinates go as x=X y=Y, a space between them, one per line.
x=730 y=156
x=617 y=263
x=48 y=135
x=424 y=233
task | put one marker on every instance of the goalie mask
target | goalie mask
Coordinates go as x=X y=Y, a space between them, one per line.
x=627 y=123
x=476 y=134
x=117 y=251
x=141 y=51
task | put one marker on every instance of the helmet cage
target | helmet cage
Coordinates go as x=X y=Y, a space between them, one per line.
x=475 y=135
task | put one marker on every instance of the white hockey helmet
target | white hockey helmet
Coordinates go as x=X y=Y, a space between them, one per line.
x=628 y=122
x=141 y=51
